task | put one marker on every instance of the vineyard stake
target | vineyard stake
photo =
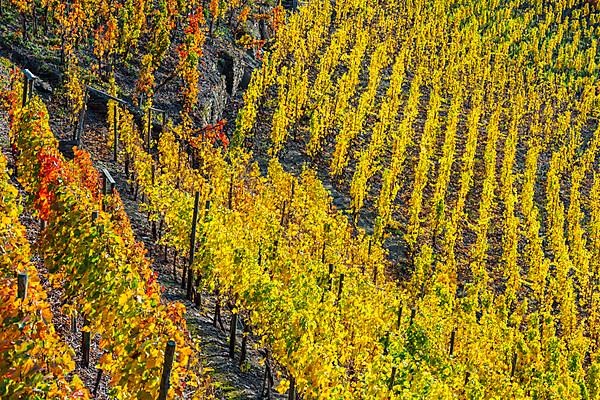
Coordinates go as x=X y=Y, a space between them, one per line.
x=230 y=196
x=74 y=322
x=375 y=270
x=190 y=286
x=387 y=344
x=232 y=332
x=267 y=380
x=329 y=282
x=174 y=265
x=183 y=275
x=392 y=378
x=22 y=284
x=86 y=339
x=217 y=316
x=198 y=293
x=246 y=332
x=97 y=384
x=340 y=288
x=292 y=391
x=167 y=367
x=399 y=320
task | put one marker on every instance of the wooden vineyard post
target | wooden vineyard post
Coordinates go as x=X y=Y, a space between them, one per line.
x=174 y=265
x=115 y=134
x=74 y=322
x=86 y=339
x=217 y=316
x=292 y=390
x=244 y=348
x=97 y=383
x=452 y=338
x=267 y=379
x=340 y=288
x=22 y=284
x=190 y=285
x=165 y=380
x=232 y=333
x=399 y=320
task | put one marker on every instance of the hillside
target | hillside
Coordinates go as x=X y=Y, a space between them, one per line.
x=358 y=200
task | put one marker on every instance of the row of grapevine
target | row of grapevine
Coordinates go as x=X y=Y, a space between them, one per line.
x=89 y=249
x=34 y=362
x=270 y=246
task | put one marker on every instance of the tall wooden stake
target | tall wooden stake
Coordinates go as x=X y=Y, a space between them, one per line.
x=232 y=333
x=190 y=286
x=165 y=381
x=86 y=339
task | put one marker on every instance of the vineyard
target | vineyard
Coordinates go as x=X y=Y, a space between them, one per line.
x=325 y=200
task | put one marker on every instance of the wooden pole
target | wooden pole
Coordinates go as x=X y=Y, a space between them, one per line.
x=232 y=333
x=513 y=365
x=292 y=391
x=175 y=265
x=340 y=288
x=165 y=381
x=190 y=286
x=267 y=380
x=86 y=339
x=97 y=384
x=74 y=322
x=244 y=348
